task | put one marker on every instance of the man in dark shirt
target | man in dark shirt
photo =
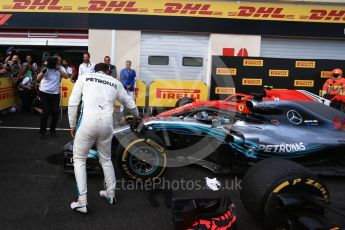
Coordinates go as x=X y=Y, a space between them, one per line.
x=112 y=68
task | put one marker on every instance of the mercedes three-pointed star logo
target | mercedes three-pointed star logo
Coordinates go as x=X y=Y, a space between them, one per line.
x=294 y=117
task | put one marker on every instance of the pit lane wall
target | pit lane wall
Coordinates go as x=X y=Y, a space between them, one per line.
x=251 y=74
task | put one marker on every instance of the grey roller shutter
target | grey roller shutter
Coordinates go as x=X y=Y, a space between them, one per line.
x=302 y=48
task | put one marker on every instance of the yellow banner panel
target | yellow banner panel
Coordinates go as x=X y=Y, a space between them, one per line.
x=305 y=64
x=304 y=83
x=165 y=93
x=226 y=71
x=253 y=62
x=251 y=81
x=326 y=74
x=278 y=73
x=225 y=90
x=209 y=9
x=7 y=93
x=66 y=90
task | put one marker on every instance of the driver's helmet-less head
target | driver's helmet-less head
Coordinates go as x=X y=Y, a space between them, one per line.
x=337 y=73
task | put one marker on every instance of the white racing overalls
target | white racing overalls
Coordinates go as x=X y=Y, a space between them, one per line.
x=98 y=93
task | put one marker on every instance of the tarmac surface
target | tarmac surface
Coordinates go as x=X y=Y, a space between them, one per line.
x=35 y=192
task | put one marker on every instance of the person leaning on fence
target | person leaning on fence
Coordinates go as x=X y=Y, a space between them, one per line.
x=50 y=78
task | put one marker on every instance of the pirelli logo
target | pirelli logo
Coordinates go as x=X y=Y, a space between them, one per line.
x=305 y=64
x=226 y=71
x=251 y=81
x=326 y=74
x=163 y=93
x=225 y=90
x=253 y=62
x=278 y=73
x=304 y=83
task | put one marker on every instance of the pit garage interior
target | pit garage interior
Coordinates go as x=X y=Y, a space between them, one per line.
x=36 y=193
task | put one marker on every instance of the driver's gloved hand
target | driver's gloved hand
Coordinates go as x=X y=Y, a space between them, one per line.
x=134 y=124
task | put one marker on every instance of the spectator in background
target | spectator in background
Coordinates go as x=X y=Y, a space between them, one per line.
x=86 y=66
x=50 y=78
x=13 y=68
x=127 y=78
x=68 y=69
x=27 y=78
x=112 y=68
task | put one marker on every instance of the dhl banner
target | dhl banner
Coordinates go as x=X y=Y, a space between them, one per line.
x=165 y=93
x=210 y=9
x=67 y=87
x=253 y=74
x=7 y=93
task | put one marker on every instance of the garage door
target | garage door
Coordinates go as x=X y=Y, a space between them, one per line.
x=302 y=48
x=173 y=56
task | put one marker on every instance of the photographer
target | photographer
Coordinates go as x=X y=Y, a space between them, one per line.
x=50 y=78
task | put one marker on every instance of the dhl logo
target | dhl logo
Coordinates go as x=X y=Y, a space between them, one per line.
x=39 y=5
x=177 y=93
x=113 y=6
x=327 y=15
x=305 y=64
x=4 y=18
x=261 y=12
x=253 y=62
x=251 y=81
x=225 y=90
x=278 y=73
x=326 y=74
x=226 y=71
x=304 y=83
x=186 y=8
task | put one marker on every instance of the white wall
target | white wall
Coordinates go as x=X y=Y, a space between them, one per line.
x=127 y=47
x=219 y=41
x=100 y=45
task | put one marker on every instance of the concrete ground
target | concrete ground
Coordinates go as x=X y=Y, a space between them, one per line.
x=35 y=192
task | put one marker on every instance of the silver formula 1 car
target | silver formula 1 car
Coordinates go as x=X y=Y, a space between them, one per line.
x=309 y=133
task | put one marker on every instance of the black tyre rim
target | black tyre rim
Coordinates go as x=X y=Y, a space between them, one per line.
x=144 y=161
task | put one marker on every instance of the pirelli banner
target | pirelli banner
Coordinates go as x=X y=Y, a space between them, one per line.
x=7 y=93
x=165 y=93
x=251 y=74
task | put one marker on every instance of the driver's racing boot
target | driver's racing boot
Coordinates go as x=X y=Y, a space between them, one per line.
x=109 y=197
x=80 y=205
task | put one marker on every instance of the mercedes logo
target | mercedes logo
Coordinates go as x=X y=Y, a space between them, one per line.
x=294 y=117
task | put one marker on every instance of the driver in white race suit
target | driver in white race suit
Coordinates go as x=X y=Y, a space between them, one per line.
x=98 y=93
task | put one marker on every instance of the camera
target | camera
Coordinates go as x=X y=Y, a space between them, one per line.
x=11 y=51
x=52 y=62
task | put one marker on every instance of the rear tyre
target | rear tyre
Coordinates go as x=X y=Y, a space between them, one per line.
x=143 y=159
x=277 y=176
x=183 y=101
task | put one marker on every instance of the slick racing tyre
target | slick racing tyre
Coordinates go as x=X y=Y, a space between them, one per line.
x=271 y=177
x=144 y=158
x=183 y=101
